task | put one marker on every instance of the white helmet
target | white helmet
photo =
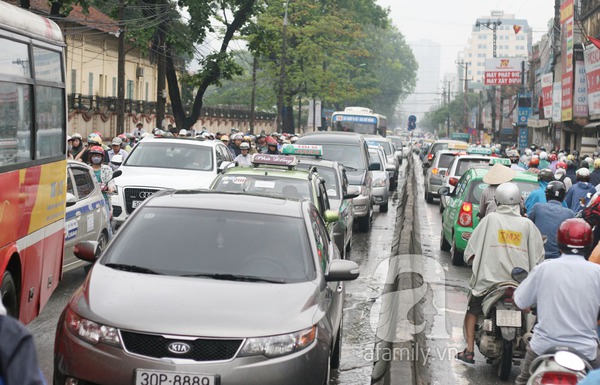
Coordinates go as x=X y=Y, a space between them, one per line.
x=528 y=152
x=508 y=194
x=543 y=155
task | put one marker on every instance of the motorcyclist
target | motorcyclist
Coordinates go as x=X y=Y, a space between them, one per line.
x=497 y=175
x=116 y=149
x=502 y=241
x=261 y=143
x=561 y=175
x=595 y=175
x=272 y=146
x=234 y=147
x=548 y=216
x=244 y=159
x=579 y=194
x=544 y=163
x=565 y=293
x=544 y=177
x=103 y=175
x=77 y=145
x=534 y=164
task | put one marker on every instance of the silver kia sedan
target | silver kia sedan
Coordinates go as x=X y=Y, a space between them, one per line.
x=208 y=288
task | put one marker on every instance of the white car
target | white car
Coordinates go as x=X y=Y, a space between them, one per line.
x=457 y=167
x=381 y=178
x=85 y=218
x=166 y=163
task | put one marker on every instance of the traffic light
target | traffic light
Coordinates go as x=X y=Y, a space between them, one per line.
x=412 y=122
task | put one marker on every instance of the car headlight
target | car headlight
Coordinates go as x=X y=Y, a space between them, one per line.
x=276 y=346
x=91 y=331
x=379 y=182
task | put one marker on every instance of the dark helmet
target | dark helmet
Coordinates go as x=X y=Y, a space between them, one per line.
x=556 y=191
x=545 y=175
x=575 y=237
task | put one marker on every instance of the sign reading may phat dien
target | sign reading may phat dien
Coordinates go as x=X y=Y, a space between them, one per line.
x=503 y=71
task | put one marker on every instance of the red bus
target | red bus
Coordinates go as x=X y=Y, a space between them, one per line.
x=32 y=160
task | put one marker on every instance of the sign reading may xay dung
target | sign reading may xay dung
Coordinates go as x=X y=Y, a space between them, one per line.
x=503 y=71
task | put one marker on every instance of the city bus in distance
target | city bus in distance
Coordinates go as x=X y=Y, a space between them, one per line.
x=359 y=119
x=32 y=160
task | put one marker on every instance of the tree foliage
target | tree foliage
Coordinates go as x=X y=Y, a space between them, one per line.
x=438 y=117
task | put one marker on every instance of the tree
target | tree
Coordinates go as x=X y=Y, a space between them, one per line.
x=456 y=109
x=179 y=36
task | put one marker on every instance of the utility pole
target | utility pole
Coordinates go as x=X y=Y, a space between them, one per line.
x=466 y=95
x=448 y=108
x=120 y=110
x=253 y=97
x=280 y=96
x=161 y=84
x=493 y=26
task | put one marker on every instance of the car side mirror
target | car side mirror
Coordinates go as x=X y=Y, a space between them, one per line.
x=445 y=191
x=86 y=251
x=390 y=168
x=442 y=173
x=374 y=166
x=71 y=199
x=330 y=216
x=342 y=270
x=352 y=192
x=225 y=165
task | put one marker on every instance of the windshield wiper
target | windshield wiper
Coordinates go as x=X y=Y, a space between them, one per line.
x=350 y=168
x=132 y=268
x=235 y=277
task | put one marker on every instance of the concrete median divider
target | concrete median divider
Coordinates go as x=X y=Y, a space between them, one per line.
x=400 y=355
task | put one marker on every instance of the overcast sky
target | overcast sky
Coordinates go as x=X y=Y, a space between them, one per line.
x=449 y=22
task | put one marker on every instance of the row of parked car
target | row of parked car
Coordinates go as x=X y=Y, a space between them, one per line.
x=454 y=174
x=239 y=282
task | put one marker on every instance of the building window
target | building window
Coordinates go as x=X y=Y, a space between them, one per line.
x=130 y=89
x=73 y=81
x=90 y=84
x=147 y=87
x=114 y=93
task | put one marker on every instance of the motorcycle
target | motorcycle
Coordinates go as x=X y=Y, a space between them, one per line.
x=561 y=365
x=502 y=333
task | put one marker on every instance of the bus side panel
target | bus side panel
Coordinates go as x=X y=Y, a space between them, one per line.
x=31 y=249
x=54 y=244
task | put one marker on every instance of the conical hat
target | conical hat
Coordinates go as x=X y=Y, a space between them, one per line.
x=499 y=174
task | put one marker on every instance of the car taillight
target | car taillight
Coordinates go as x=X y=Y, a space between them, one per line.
x=465 y=217
x=453 y=181
x=508 y=295
x=429 y=157
x=559 y=378
x=435 y=171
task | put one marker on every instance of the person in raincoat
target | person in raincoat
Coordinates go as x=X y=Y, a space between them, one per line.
x=502 y=241
x=545 y=176
x=497 y=175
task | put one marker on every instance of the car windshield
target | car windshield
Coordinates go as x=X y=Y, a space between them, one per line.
x=387 y=146
x=438 y=147
x=265 y=184
x=348 y=155
x=477 y=187
x=171 y=155
x=444 y=160
x=465 y=164
x=329 y=175
x=396 y=141
x=219 y=243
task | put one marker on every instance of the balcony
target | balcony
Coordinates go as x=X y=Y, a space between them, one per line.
x=91 y=104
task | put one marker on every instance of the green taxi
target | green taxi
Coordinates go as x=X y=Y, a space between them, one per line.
x=460 y=216
x=278 y=175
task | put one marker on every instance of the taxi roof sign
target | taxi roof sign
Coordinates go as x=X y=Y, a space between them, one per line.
x=479 y=151
x=458 y=146
x=274 y=160
x=302 y=149
x=504 y=161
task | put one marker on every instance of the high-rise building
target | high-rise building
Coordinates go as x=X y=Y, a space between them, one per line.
x=427 y=91
x=513 y=39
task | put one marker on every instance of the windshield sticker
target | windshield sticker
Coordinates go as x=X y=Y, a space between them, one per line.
x=239 y=180
x=264 y=184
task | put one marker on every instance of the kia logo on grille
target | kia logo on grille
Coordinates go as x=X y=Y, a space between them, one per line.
x=179 y=347
x=145 y=194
